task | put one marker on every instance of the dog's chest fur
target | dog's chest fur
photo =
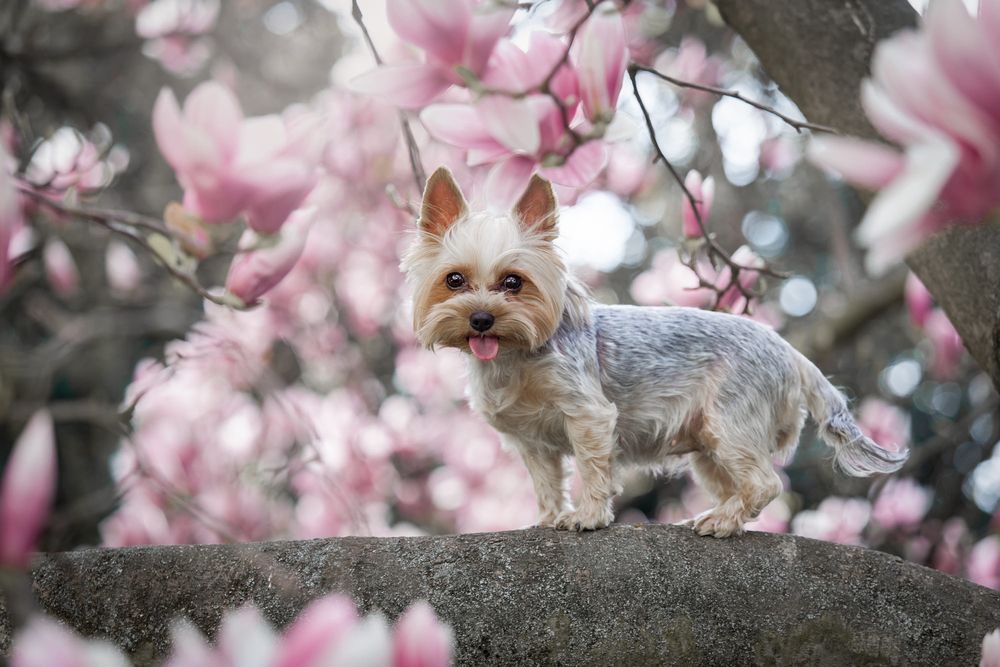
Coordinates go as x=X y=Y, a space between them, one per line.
x=521 y=396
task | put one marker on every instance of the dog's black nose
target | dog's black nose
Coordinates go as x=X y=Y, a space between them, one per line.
x=480 y=320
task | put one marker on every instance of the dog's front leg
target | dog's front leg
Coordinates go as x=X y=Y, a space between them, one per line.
x=591 y=431
x=548 y=475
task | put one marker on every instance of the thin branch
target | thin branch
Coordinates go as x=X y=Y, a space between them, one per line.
x=416 y=164
x=124 y=224
x=798 y=125
x=715 y=251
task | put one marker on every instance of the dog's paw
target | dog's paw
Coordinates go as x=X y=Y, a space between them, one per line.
x=716 y=523
x=547 y=520
x=585 y=519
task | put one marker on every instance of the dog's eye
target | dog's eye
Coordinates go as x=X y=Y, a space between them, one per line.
x=454 y=280
x=512 y=283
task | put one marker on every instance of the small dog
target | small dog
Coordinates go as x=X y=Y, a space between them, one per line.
x=613 y=386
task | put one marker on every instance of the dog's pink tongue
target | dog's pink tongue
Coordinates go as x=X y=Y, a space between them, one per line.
x=484 y=347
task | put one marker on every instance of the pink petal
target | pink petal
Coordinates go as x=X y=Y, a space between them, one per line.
x=600 y=55
x=407 y=86
x=255 y=272
x=928 y=167
x=704 y=193
x=862 y=163
x=420 y=640
x=969 y=58
x=459 y=125
x=506 y=182
x=439 y=27
x=278 y=189
x=29 y=483
x=991 y=644
x=246 y=639
x=511 y=122
x=316 y=631
x=60 y=267
x=215 y=198
x=213 y=108
x=490 y=22
x=889 y=119
x=581 y=167
x=262 y=139
x=919 y=301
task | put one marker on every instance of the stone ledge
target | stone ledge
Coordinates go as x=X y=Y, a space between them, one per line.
x=638 y=595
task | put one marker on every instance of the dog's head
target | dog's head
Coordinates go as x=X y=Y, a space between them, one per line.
x=485 y=283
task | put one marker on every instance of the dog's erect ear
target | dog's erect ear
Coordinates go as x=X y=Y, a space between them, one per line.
x=537 y=208
x=443 y=203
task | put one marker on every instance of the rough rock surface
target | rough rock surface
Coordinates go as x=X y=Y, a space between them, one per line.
x=644 y=595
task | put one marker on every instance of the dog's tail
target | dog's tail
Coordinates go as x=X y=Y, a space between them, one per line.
x=854 y=453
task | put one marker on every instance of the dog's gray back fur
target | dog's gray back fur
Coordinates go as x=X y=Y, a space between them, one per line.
x=662 y=367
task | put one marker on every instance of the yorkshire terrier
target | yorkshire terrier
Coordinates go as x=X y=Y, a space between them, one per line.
x=614 y=386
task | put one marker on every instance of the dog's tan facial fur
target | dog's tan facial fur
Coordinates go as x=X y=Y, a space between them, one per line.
x=485 y=249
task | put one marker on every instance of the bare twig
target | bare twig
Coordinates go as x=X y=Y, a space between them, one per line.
x=715 y=251
x=798 y=125
x=124 y=224
x=416 y=164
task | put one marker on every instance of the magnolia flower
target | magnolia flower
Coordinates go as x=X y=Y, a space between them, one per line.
x=835 y=520
x=45 y=643
x=668 y=282
x=902 y=503
x=228 y=164
x=599 y=56
x=420 y=640
x=919 y=301
x=163 y=18
x=457 y=37
x=254 y=272
x=520 y=136
x=11 y=220
x=704 y=193
x=884 y=423
x=60 y=267
x=991 y=650
x=934 y=92
x=121 y=267
x=946 y=345
x=983 y=564
x=28 y=486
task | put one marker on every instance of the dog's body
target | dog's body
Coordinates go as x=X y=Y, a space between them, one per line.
x=614 y=386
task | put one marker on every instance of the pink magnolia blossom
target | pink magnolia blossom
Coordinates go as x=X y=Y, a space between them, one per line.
x=162 y=18
x=704 y=193
x=11 y=220
x=690 y=62
x=255 y=272
x=69 y=159
x=599 y=56
x=45 y=643
x=946 y=345
x=60 y=267
x=835 y=520
x=919 y=301
x=884 y=423
x=991 y=650
x=983 y=564
x=732 y=298
x=668 y=282
x=934 y=92
x=948 y=555
x=902 y=503
x=457 y=38
x=122 y=267
x=28 y=488
x=228 y=164
x=521 y=136
x=420 y=640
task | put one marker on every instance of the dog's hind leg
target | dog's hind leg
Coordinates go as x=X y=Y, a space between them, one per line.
x=739 y=475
